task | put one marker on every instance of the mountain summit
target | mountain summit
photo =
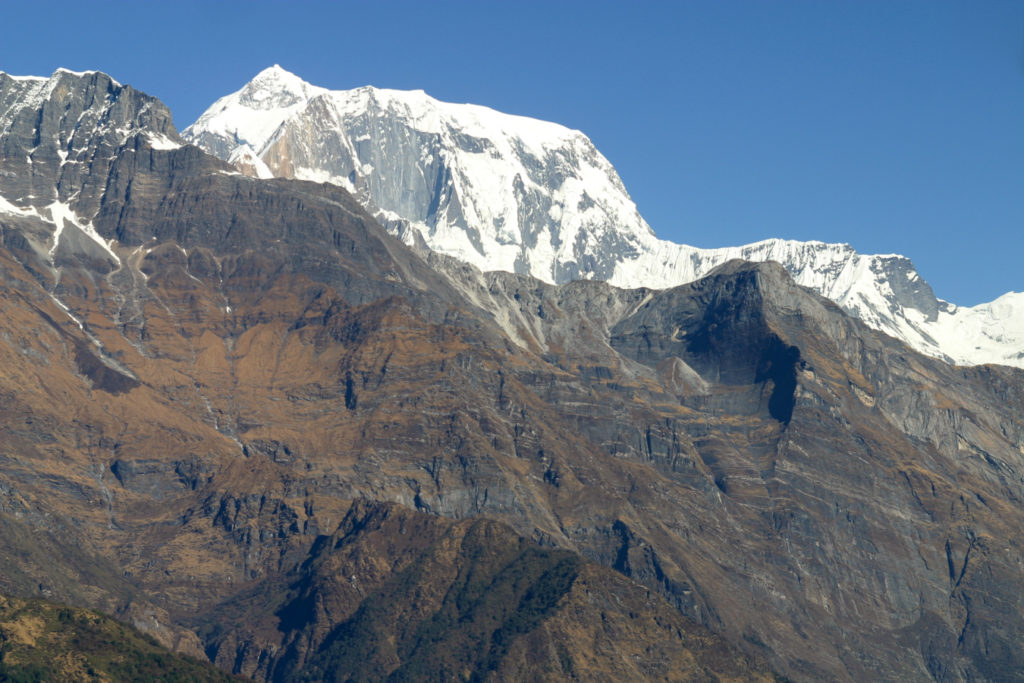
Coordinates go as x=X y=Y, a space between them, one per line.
x=501 y=192
x=516 y=194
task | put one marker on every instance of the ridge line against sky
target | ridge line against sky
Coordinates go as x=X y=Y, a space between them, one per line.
x=897 y=127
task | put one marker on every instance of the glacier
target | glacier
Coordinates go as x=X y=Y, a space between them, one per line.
x=511 y=193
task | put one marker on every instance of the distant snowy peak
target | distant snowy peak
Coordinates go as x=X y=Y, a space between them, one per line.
x=992 y=332
x=512 y=193
x=249 y=117
x=500 y=191
x=275 y=88
x=253 y=114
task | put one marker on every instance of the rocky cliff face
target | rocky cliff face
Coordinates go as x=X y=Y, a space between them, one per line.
x=530 y=197
x=62 y=134
x=187 y=421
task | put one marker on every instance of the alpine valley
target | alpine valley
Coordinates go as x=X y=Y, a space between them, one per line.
x=522 y=440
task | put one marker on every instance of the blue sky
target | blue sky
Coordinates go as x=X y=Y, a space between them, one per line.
x=893 y=125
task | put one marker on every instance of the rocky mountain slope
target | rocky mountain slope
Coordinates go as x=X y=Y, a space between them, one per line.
x=525 y=196
x=228 y=403
x=131 y=472
x=416 y=596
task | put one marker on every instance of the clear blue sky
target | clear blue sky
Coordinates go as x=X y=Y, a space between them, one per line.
x=894 y=125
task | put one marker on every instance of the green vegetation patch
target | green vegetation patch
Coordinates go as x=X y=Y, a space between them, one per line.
x=44 y=641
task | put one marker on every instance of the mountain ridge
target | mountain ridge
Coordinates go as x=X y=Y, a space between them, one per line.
x=503 y=198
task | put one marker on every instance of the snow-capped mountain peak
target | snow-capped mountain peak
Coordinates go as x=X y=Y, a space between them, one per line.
x=500 y=191
x=276 y=88
x=250 y=116
x=512 y=193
